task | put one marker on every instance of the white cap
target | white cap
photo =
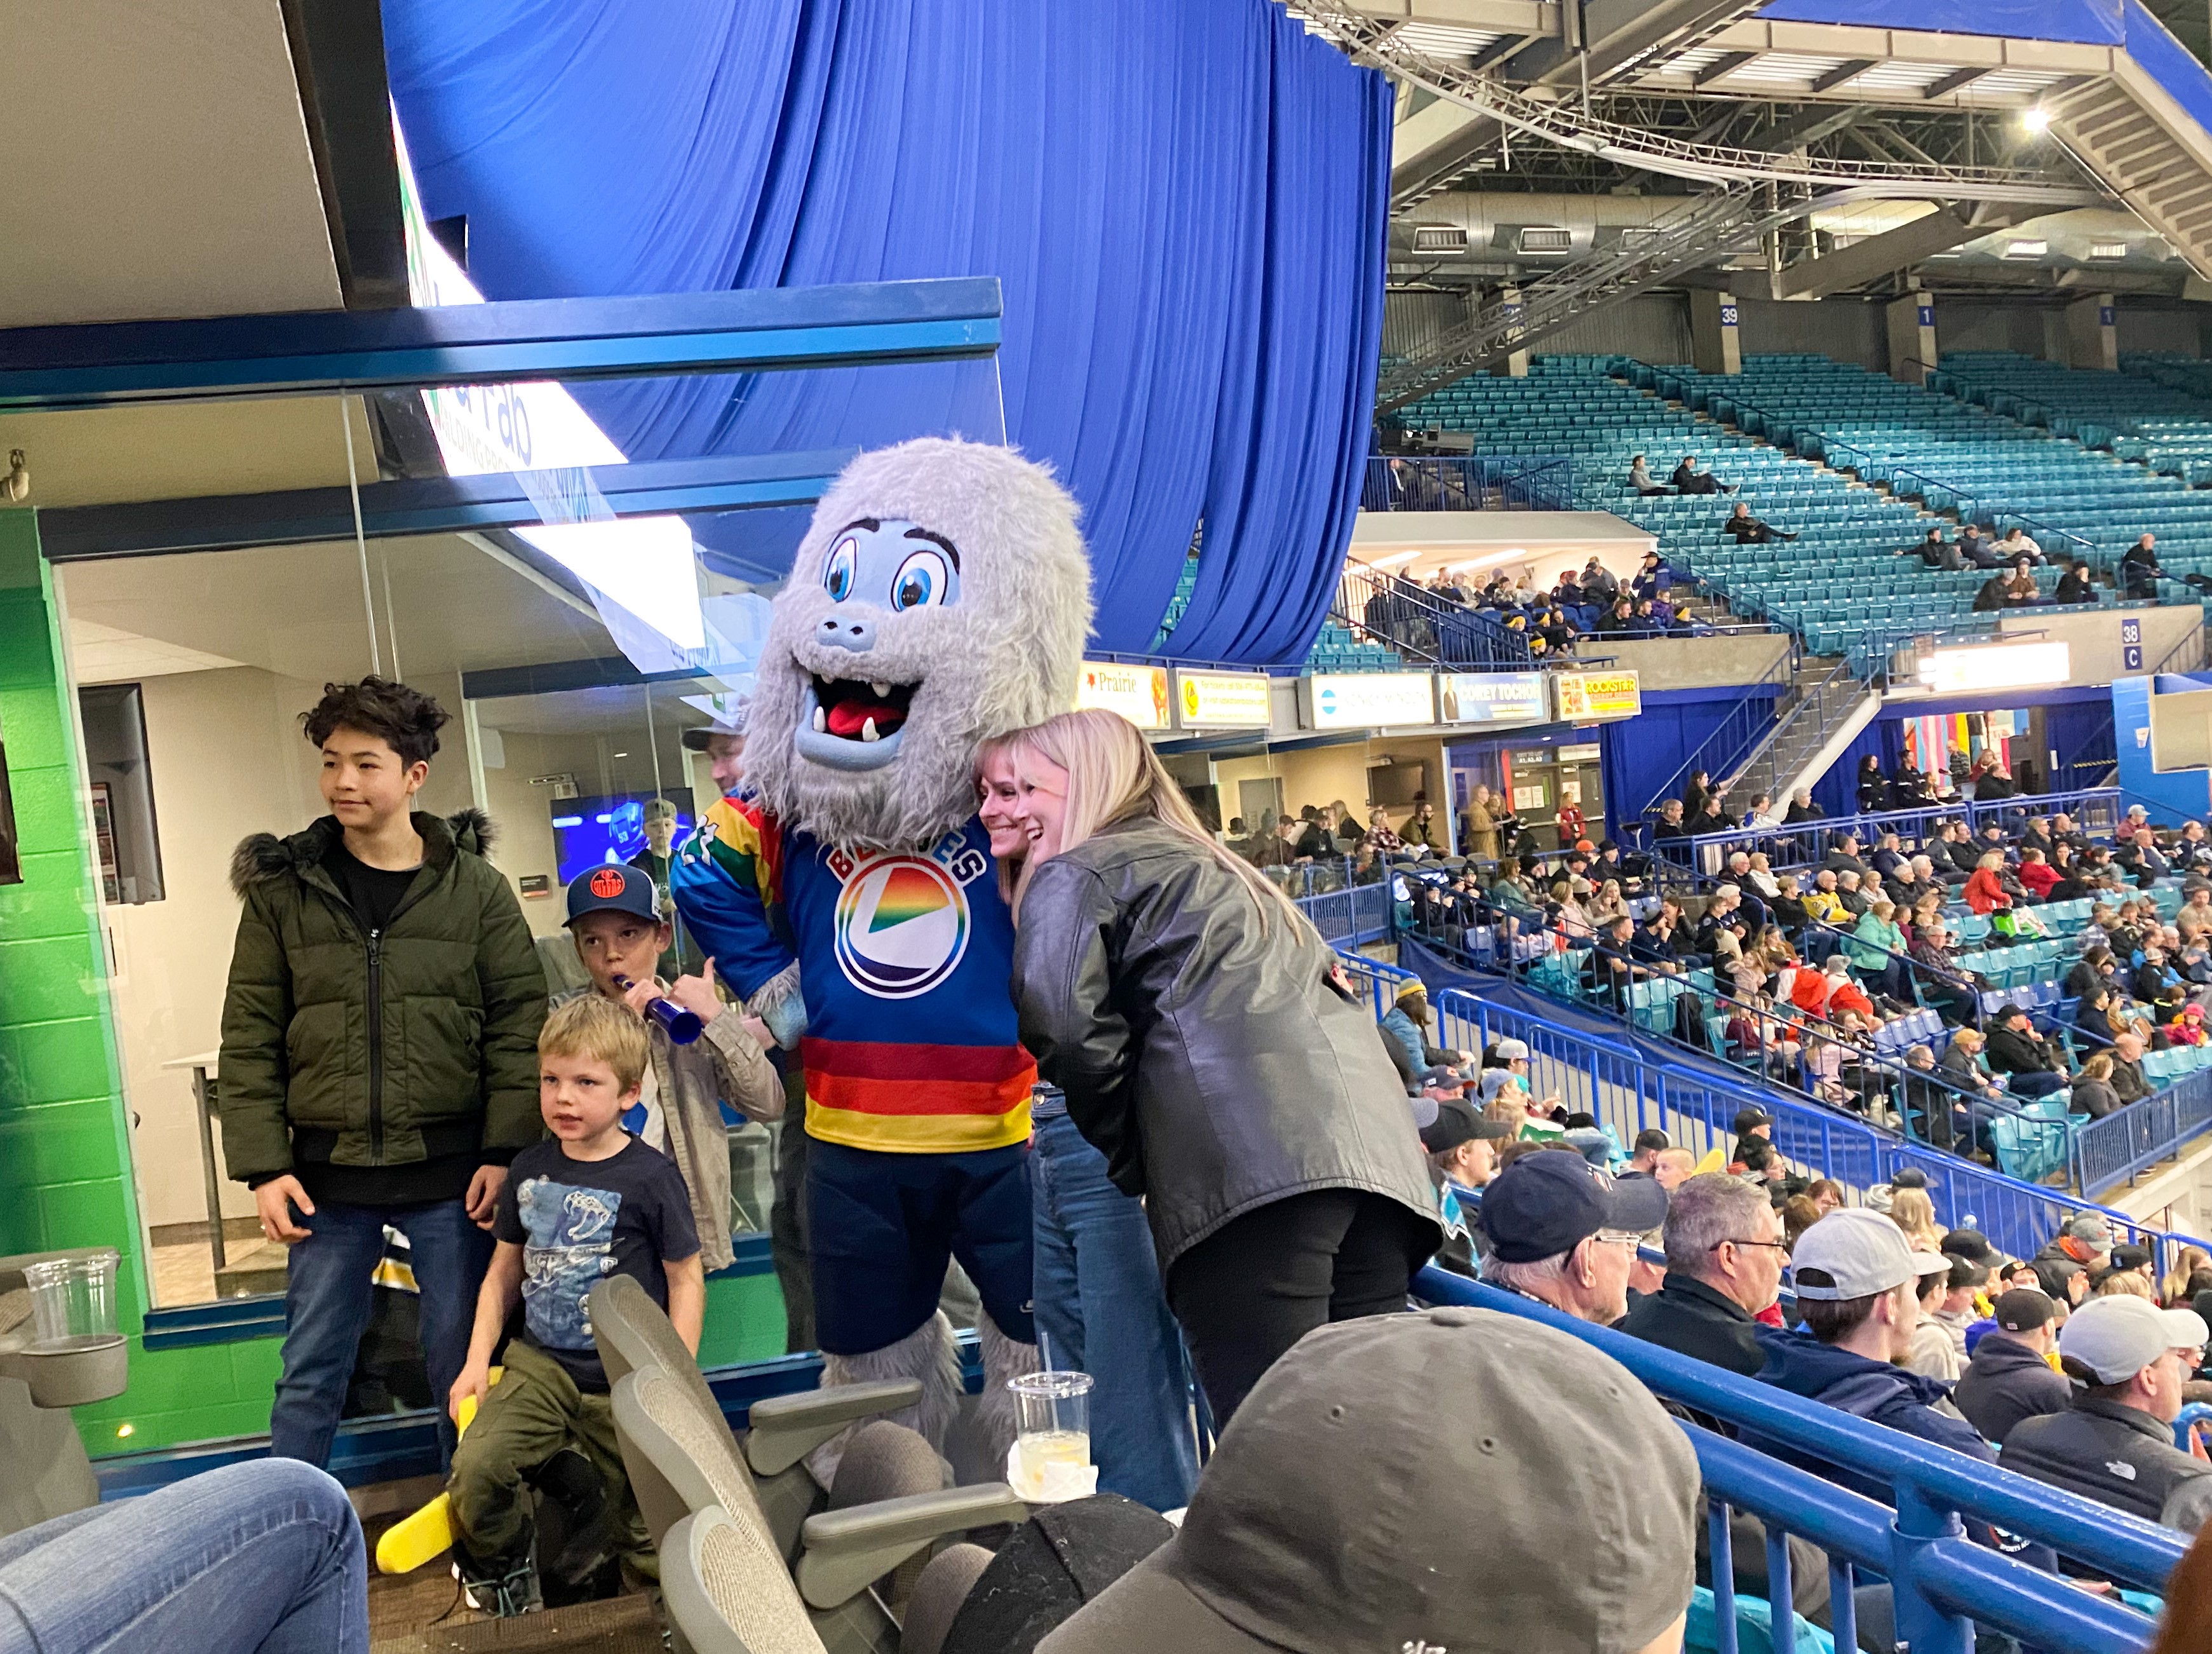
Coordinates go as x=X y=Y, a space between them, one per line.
x=2118 y=1337
x=1512 y=1049
x=1865 y=1253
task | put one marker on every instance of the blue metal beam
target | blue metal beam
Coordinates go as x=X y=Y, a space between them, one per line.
x=753 y=330
x=429 y=505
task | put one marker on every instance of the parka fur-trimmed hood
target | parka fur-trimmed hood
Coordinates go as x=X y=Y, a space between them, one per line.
x=261 y=858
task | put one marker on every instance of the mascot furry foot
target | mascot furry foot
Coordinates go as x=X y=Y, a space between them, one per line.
x=1004 y=1358
x=927 y=1353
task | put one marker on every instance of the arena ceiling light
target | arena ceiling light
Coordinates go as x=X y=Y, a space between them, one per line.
x=2108 y=249
x=2036 y=120
x=2027 y=249
x=644 y=567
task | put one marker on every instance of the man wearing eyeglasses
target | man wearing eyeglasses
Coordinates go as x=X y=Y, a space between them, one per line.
x=1724 y=1259
x=2129 y=1360
x=1563 y=1233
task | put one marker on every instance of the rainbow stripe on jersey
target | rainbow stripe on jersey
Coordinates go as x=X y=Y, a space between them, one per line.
x=904 y=963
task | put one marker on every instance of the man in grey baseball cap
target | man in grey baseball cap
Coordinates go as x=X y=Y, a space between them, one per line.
x=1336 y=1510
x=1857 y=1282
x=2129 y=1360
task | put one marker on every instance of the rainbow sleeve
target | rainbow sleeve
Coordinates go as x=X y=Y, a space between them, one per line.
x=727 y=886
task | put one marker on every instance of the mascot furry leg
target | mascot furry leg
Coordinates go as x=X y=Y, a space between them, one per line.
x=940 y=597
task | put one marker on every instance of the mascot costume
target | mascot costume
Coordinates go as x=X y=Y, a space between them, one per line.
x=940 y=597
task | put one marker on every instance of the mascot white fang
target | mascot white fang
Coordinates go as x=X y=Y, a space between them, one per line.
x=941 y=597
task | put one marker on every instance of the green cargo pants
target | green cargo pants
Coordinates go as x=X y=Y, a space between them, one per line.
x=532 y=1413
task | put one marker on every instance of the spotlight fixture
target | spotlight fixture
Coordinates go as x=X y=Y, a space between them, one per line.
x=2036 y=120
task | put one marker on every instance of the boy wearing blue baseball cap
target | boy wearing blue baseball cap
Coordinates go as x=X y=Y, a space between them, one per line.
x=614 y=918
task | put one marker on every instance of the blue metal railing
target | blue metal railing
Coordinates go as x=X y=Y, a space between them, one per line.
x=2096 y=811
x=1426 y=629
x=1753 y=720
x=1352 y=916
x=2132 y=1140
x=1622 y=1086
x=1468 y=482
x=1942 y=1583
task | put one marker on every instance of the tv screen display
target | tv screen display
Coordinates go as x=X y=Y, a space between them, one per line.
x=592 y=832
x=1396 y=783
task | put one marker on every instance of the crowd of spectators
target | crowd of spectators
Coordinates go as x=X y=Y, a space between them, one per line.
x=1421 y=615
x=1804 y=971
x=2076 y=1362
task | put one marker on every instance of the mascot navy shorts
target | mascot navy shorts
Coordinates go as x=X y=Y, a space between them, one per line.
x=882 y=1226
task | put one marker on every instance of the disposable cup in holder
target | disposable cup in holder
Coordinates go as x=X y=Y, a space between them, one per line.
x=73 y=1302
x=1052 y=1452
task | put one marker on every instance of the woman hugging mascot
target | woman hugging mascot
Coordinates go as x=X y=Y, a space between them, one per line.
x=941 y=597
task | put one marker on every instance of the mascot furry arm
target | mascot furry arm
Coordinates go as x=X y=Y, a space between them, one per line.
x=941 y=596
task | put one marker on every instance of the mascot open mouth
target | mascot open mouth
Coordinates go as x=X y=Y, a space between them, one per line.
x=852 y=723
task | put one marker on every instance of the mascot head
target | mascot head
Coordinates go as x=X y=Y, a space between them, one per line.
x=941 y=596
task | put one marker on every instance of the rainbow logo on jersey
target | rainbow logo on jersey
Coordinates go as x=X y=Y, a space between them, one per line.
x=901 y=926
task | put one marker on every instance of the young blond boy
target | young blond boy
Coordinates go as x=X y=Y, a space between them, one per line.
x=591 y=1202
x=614 y=918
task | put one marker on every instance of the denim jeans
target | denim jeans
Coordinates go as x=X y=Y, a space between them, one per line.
x=263 y=1557
x=1099 y=1302
x=327 y=1304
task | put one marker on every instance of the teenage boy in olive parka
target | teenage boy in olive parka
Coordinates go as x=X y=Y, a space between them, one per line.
x=379 y=1050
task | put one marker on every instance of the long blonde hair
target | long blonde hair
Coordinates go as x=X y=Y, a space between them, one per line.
x=2187 y=1261
x=1911 y=1210
x=1113 y=775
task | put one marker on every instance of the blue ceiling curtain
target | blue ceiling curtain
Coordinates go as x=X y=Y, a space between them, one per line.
x=1185 y=205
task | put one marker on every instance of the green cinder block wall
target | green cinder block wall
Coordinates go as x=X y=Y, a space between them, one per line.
x=65 y=1175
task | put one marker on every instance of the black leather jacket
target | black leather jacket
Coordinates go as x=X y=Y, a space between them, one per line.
x=1216 y=1069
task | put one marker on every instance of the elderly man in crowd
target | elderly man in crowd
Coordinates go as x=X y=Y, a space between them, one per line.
x=1724 y=1260
x=1562 y=1232
x=2115 y=1443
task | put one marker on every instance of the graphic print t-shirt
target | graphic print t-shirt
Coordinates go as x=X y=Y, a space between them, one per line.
x=580 y=1221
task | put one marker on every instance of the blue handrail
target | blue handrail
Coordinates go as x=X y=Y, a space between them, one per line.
x=1614 y=1080
x=2097 y=811
x=1942 y=1583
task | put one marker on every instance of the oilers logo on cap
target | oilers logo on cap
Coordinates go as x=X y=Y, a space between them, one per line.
x=901 y=926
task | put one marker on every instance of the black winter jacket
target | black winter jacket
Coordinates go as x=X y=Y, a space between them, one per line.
x=1689 y=1317
x=378 y=1049
x=1216 y=1069
x=2005 y=1383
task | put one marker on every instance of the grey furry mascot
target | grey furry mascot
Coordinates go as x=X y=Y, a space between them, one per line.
x=941 y=597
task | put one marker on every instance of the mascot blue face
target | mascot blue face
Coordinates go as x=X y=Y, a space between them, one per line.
x=941 y=596
x=858 y=722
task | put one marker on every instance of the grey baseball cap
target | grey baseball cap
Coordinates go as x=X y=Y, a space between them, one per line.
x=1863 y=1253
x=1335 y=1512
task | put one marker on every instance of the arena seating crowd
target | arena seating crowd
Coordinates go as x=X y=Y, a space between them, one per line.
x=1983 y=993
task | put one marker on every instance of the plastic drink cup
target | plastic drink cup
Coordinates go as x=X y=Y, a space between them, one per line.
x=1054 y=1411
x=73 y=1302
